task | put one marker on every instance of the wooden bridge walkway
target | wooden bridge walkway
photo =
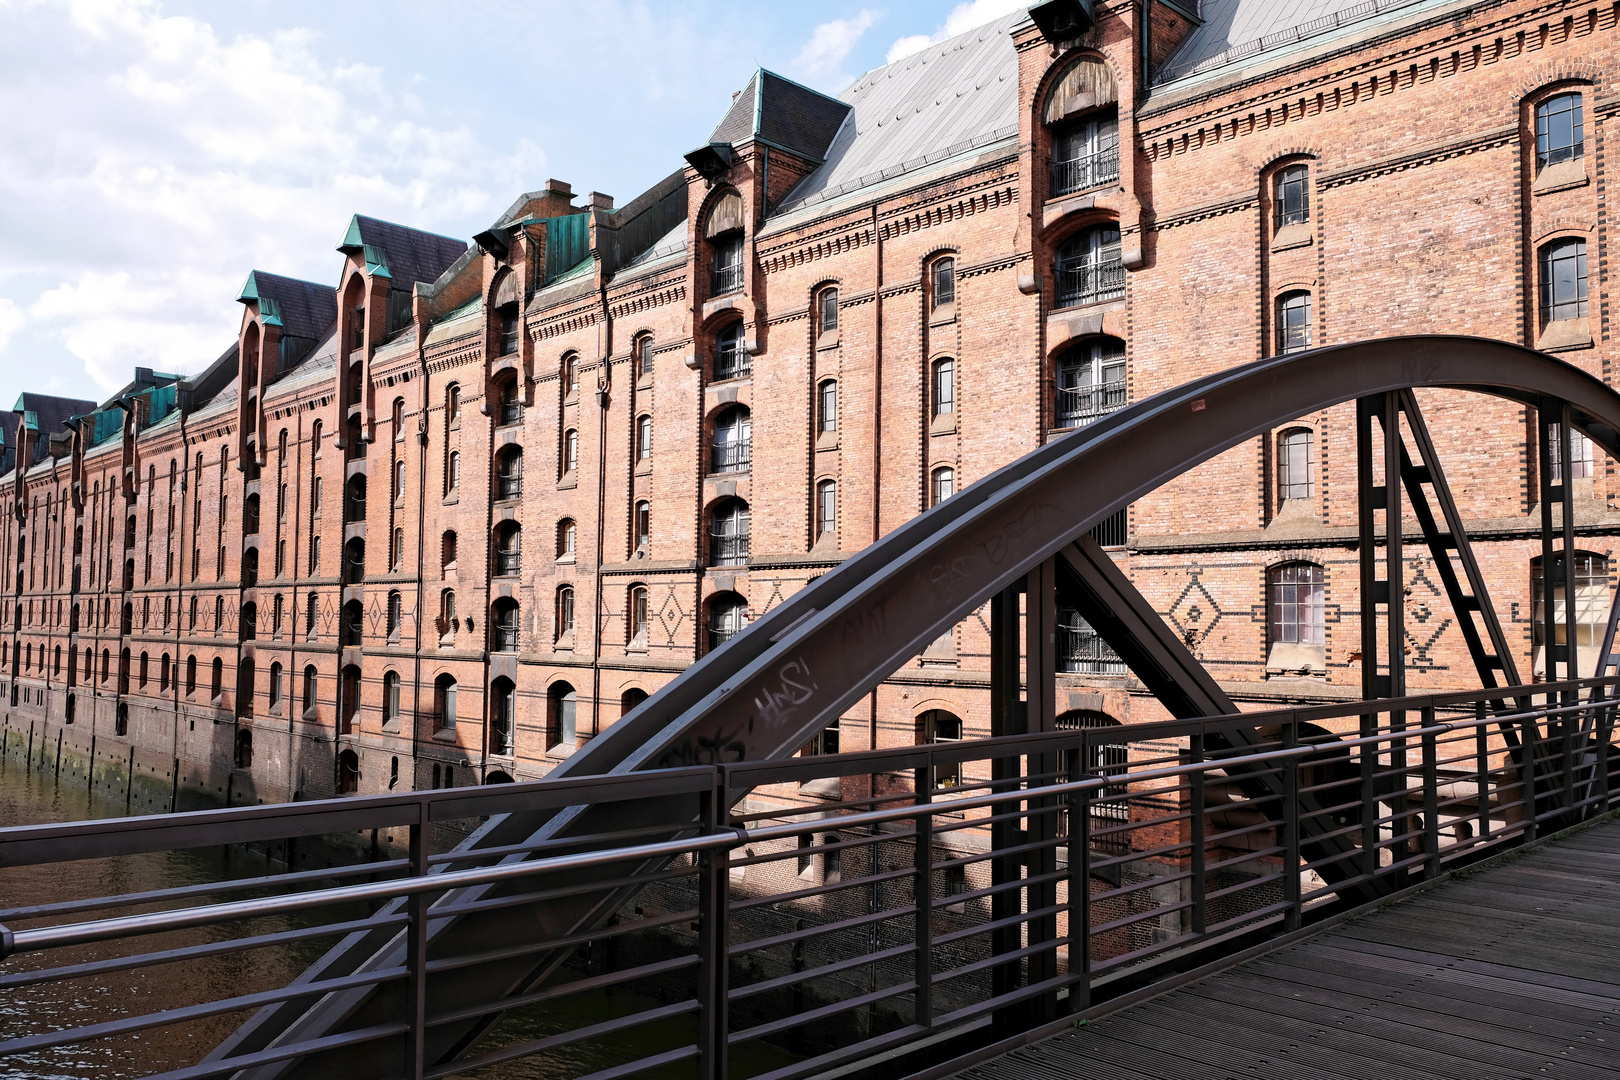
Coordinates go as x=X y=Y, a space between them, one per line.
x=1507 y=974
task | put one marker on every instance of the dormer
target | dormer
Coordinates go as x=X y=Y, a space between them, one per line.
x=383 y=264
x=282 y=321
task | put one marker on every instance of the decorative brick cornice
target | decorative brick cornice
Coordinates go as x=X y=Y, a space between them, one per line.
x=1487 y=140
x=993 y=265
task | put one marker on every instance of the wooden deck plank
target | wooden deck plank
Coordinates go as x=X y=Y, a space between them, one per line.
x=1509 y=973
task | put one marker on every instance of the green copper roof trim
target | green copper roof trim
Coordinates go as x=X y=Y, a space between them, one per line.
x=30 y=418
x=250 y=288
x=376 y=261
x=759 y=97
x=351 y=239
x=270 y=311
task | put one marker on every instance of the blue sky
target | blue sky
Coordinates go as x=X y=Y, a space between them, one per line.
x=152 y=153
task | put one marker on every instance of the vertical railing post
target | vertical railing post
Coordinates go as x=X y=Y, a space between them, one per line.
x=1196 y=840
x=923 y=891
x=1080 y=886
x=1527 y=772
x=714 y=885
x=1007 y=821
x=416 y=952
x=1369 y=798
x=1482 y=763
x=1431 y=797
x=1294 y=914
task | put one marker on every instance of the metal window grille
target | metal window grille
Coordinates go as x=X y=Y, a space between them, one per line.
x=726 y=621
x=1296 y=466
x=944 y=387
x=731 y=360
x=511 y=406
x=1089 y=268
x=509 y=481
x=1081 y=651
x=729 y=535
x=1091 y=383
x=508 y=556
x=944 y=282
x=1086 y=156
x=1111 y=531
x=1293 y=196
x=733 y=441
x=1296 y=605
x=1560 y=135
x=728 y=265
x=1563 y=280
x=1293 y=323
x=506 y=629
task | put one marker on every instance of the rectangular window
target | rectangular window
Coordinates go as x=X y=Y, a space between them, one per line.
x=1560 y=135
x=829 y=311
x=944 y=387
x=728 y=264
x=1296 y=466
x=944 y=282
x=1563 y=280
x=1296 y=605
x=1293 y=196
x=509 y=331
x=829 y=406
x=1293 y=323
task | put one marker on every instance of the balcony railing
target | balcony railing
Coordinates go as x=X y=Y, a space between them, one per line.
x=733 y=363
x=506 y=637
x=508 y=563
x=729 y=550
x=1080 y=651
x=1090 y=283
x=733 y=457
x=718 y=636
x=508 y=487
x=1086 y=172
x=726 y=279
x=1078 y=406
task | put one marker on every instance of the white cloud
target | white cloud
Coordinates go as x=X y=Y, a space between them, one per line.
x=822 y=58
x=151 y=163
x=963 y=17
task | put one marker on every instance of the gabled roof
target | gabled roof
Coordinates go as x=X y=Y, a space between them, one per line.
x=46 y=415
x=784 y=114
x=947 y=99
x=404 y=254
x=302 y=309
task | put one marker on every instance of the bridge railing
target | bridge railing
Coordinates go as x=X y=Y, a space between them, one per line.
x=823 y=909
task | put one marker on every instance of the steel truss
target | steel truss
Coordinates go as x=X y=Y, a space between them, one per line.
x=1018 y=541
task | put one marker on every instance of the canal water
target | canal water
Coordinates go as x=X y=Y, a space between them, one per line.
x=36 y=797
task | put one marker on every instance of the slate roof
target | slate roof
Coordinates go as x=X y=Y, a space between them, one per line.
x=413 y=255
x=1236 y=30
x=49 y=413
x=947 y=99
x=783 y=113
x=306 y=308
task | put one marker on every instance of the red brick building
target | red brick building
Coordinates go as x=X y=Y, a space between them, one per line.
x=445 y=522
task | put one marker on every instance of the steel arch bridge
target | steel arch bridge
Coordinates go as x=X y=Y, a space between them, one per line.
x=1017 y=540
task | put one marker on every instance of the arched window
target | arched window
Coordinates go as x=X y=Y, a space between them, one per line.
x=106 y=663
x=508 y=549
x=561 y=702
x=643 y=525
x=827 y=406
x=399 y=480
x=637 y=623
x=565 y=612
x=731 y=359
x=724 y=230
x=348 y=698
x=354 y=561
x=643 y=438
x=275 y=684
x=315 y=492
x=448 y=624
x=1089 y=269
x=509 y=473
x=567 y=538
x=452 y=405
x=395 y=613
x=1103 y=759
x=163 y=671
x=244 y=749
x=505 y=611
x=1296 y=465
x=509 y=403
x=390 y=698
x=827 y=321
x=397 y=416
x=1591 y=608
x=354 y=623
x=826 y=509
x=311 y=614
x=1293 y=322
x=570 y=457
x=1082 y=116
x=943 y=386
x=934 y=727
x=644 y=354
x=630 y=699
x=943 y=485
x=729 y=533
x=1563 y=280
x=1298 y=634
x=568 y=374
x=1090 y=382
x=444 y=702
x=1292 y=196
x=399 y=548
x=354 y=508
x=942 y=286
x=277 y=610
x=510 y=324
x=1560 y=134
x=733 y=439
x=728 y=614
x=348 y=773
x=447 y=550
x=452 y=472
x=216 y=685
x=191 y=673
x=310 y=680
x=502 y=717
x=247 y=622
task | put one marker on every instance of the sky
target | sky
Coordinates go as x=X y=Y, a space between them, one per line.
x=152 y=153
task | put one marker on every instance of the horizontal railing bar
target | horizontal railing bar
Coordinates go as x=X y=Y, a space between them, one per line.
x=737 y=993
x=568 y=989
x=282 y=1053
x=771 y=1027
x=817 y=890
x=563 y=941
x=563 y=1038
x=789 y=937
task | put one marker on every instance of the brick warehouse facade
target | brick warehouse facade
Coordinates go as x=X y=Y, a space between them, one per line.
x=446 y=521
